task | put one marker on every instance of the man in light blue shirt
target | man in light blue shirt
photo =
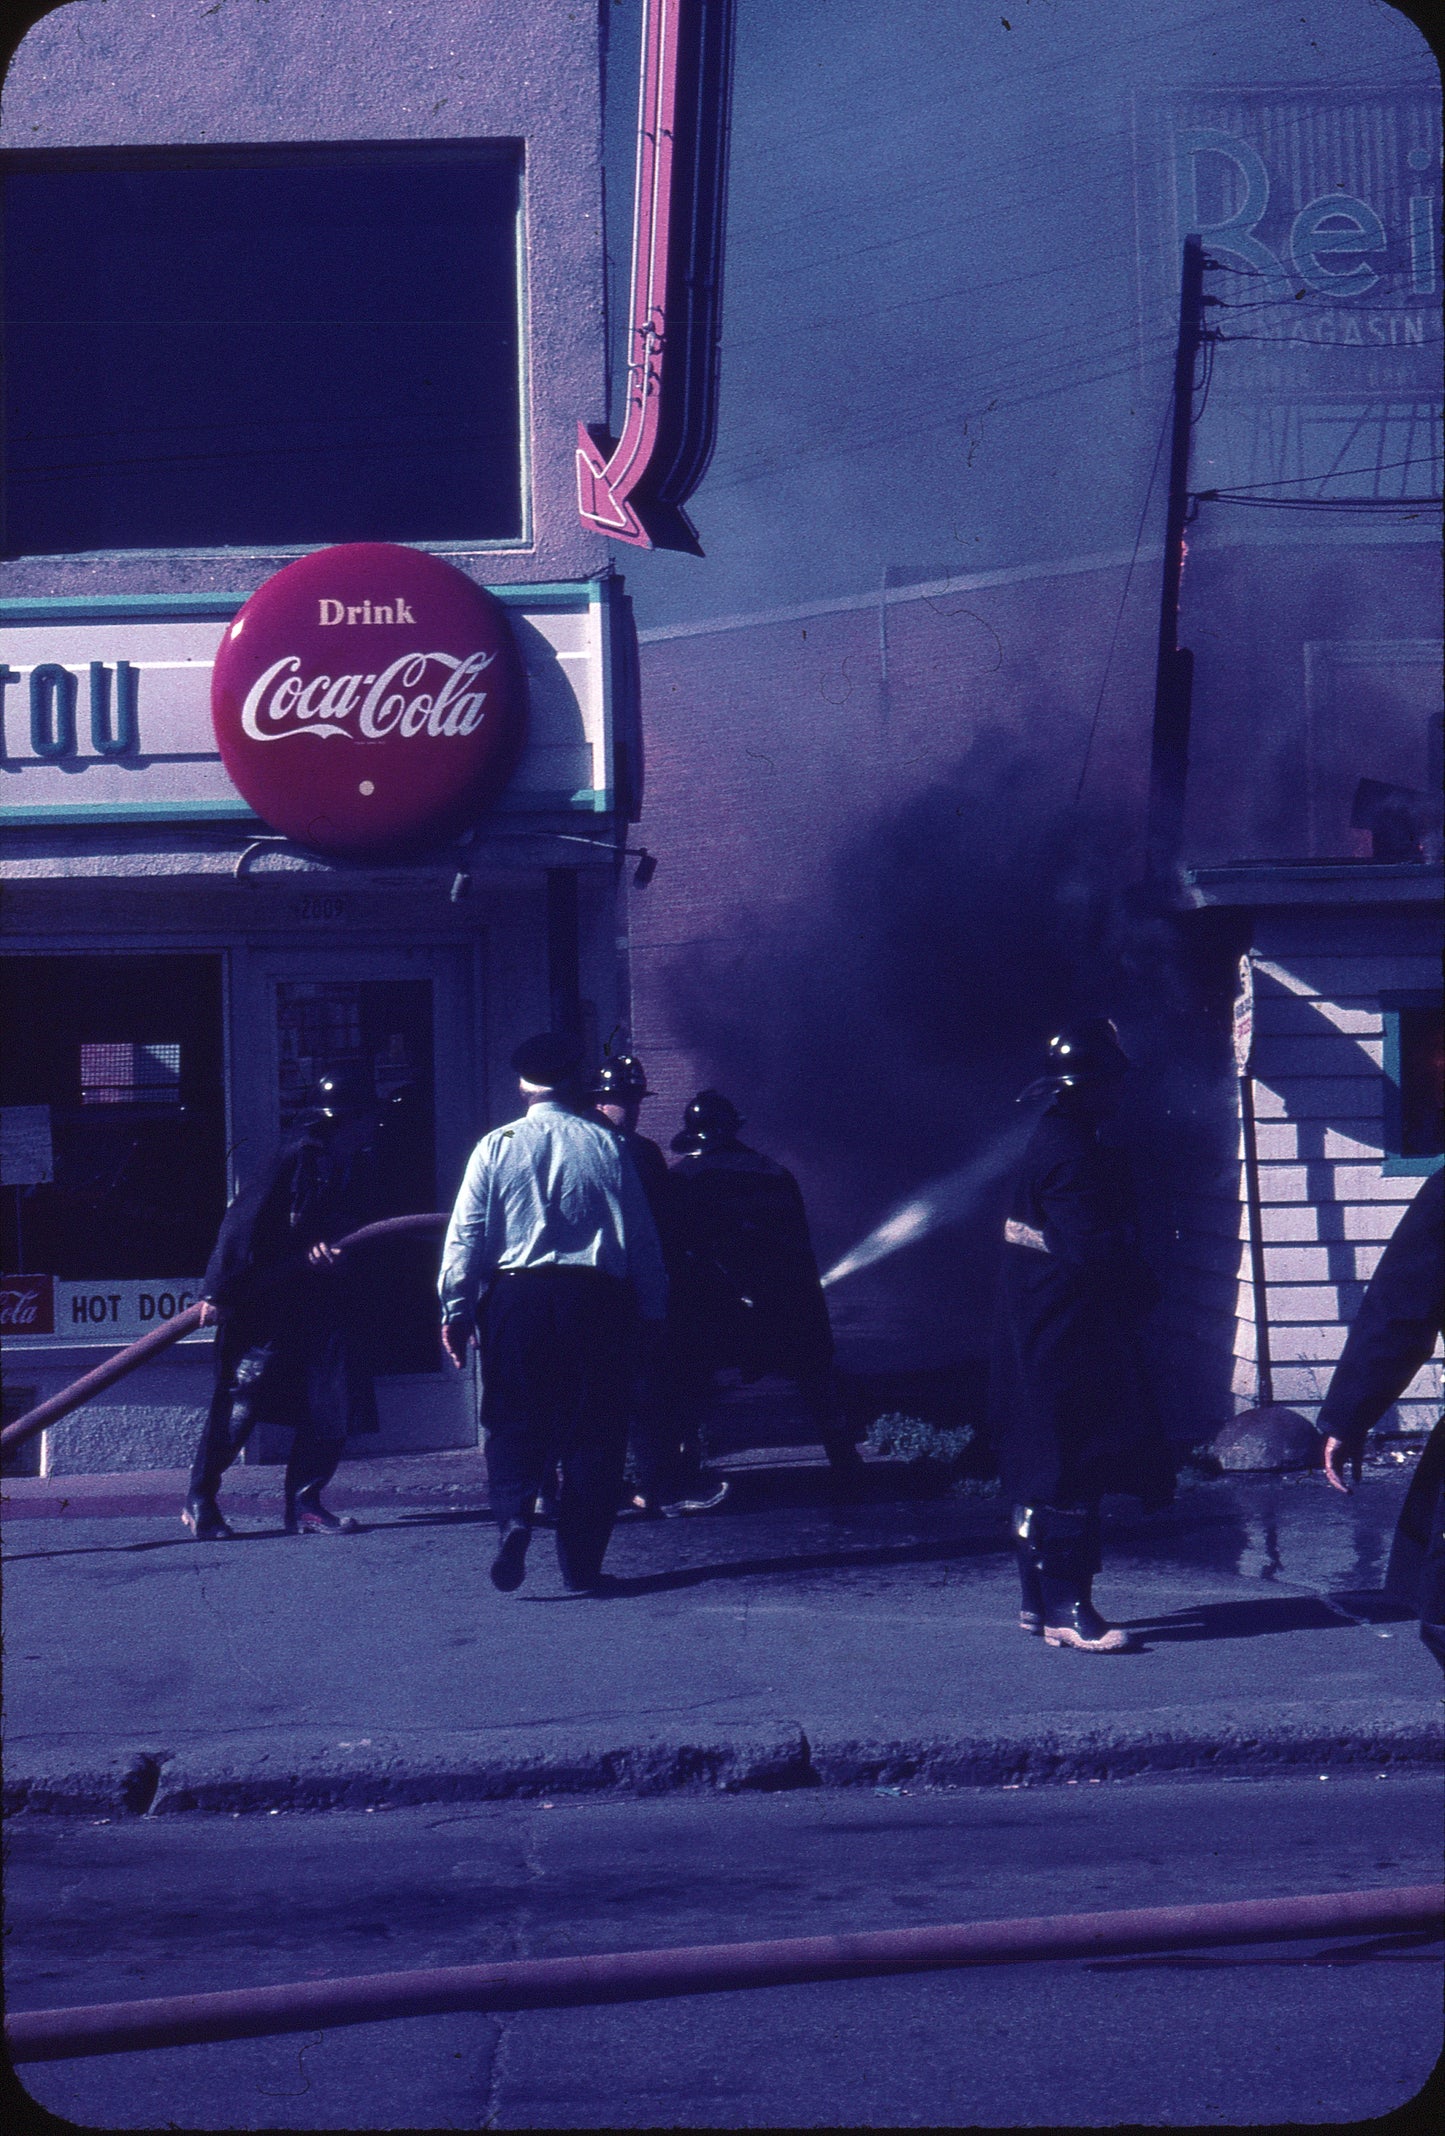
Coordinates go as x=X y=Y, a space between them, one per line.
x=552 y=1234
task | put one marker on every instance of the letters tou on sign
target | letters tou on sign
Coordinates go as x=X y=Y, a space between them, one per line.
x=279 y=705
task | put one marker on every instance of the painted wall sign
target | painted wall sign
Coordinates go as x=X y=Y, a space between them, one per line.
x=368 y=700
x=1323 y=207
x=105 y=1311
x=566 y=636
x=27 y=1305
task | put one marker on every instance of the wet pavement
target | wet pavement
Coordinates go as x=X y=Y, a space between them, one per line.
x=787 y=1640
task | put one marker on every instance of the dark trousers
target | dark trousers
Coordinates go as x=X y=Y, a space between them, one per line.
x=558 y=1349
x=241 y=1374
x=1416 y=1573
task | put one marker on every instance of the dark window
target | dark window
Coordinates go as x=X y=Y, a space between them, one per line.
x=1414 y=1060
x=261 y=347
x=118 y=1060
x=384 y=1028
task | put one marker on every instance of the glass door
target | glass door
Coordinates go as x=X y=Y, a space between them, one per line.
x=403 y=1020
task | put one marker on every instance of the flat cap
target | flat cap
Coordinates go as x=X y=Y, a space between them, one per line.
x=548 y=1060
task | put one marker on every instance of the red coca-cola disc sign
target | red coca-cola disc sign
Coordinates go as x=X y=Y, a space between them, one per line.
x=369 y=700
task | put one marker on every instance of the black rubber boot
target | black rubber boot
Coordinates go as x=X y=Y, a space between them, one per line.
x=1070 y=1618
x=305 y=1515
x=206 y=1521
x=1063 y=1544
x=1031 y=1592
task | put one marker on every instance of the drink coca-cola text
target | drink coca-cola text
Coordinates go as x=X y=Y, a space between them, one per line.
x=279 y=705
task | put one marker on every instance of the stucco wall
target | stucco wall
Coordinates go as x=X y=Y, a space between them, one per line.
x=131 y=73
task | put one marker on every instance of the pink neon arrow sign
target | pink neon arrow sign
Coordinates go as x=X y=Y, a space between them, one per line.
x=606 y=479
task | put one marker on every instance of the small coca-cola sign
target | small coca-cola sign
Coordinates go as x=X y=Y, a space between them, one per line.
x=27 y=1305
x=369 y=700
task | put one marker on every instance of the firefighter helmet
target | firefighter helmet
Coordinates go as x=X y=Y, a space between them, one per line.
x=344 y=1089
x=1086 y=1052
x=711 y=1121
x=621 y=1080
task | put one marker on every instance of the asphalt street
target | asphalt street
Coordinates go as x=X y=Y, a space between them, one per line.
x=1317 y=2033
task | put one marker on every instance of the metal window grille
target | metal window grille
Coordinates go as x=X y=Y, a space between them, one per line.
x=115 y=1074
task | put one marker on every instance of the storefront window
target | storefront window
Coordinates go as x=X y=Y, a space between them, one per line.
x=113 y=1084
x=261 y=347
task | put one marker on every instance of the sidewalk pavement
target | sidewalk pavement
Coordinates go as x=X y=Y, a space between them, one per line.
x=787 y=1640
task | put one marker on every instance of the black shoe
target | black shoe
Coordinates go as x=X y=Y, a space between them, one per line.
x=205 y=1520
x=307 y=1516
x=509 y=1566
x=601 y=1583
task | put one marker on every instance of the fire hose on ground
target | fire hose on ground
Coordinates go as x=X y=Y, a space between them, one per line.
x=707 y=1968
x=139 y=1353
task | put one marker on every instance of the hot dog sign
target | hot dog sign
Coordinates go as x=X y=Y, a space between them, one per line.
x=369 y=700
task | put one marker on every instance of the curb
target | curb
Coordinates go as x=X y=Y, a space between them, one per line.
x=289 y=1771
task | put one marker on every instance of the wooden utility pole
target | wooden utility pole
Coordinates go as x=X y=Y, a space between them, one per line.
x=1174 y=674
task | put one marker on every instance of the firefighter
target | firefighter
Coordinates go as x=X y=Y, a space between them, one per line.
x=618 y=1090
x=1070 y=1412
x=1392 y=1337
x=747 y=1293
x=291 y=1343
x=552 y=1227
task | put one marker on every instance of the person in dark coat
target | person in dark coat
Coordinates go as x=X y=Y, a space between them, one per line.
x=290 y=1342
x=1070 y=1412
x=1393 y=1335
x=618 y=1090
x=747 y=1294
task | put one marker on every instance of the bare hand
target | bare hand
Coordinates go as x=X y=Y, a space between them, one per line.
x=456 y=1341
x=1337 y=1459
x=322 y=1255
x=209 y=1315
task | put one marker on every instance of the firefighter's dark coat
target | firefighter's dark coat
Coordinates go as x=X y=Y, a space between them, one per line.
x=1070 y=1412
x=651 y=1168
x=746 y=1289
x=1392 y=1337
x=307 y=1325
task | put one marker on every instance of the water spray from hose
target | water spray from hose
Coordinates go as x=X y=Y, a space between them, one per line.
x=948 y=1200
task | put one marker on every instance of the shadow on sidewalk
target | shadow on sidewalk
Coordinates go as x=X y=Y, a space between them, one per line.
x=881 y=1558
x=1273 y=1613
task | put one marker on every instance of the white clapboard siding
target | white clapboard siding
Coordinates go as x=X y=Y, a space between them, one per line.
x=1328 y=1206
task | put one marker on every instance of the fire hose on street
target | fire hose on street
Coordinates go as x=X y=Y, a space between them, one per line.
x=139 y=1353
x=706 y=1968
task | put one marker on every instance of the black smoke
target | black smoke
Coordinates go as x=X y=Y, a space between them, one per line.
x=877 y=1033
